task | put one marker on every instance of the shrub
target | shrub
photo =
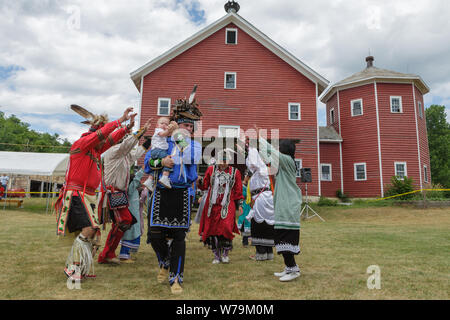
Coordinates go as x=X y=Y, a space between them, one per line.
x=399 y=186
x=435 y=195
x=326 y=202
x=342 y=196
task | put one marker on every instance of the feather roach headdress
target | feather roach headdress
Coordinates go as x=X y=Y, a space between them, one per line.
x=93 y=120
x=187 y=110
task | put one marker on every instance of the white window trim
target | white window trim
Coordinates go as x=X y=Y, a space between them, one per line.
x=395 y=168
x=299 y=110
x=159 y=106
x=400 y=100
x=226 y=35
x=425 y=173
x=362 y=109
x=419 y=104
x=228 y=127
x=298 y=175
x=331 y=172
x=225 y=80
x=331 y=118
x=365 y=171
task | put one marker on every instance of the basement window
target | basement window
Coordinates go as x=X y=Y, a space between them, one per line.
x=231 y=36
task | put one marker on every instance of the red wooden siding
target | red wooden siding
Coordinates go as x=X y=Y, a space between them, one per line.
x=423 y=137
x=265 y=86
x=360 y=143
x=398 y=131
x=329 y=153
x=332 y=104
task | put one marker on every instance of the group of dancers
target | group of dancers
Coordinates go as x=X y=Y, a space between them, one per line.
x=102 y=158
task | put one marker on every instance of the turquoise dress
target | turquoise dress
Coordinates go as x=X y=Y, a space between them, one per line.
x=242 y=221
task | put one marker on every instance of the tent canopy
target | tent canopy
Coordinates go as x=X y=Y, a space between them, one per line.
x=33 y=163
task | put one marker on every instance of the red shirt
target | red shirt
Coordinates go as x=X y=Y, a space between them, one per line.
x=85 y=156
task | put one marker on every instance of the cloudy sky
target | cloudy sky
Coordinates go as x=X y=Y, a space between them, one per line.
x=58 y=52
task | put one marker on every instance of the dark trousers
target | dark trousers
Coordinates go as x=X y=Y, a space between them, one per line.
x=170 y=255
x=289 y=259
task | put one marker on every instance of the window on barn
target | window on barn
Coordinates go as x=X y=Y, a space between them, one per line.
x=400 y=170
x=298 y=166
x=396 y=105
x=230 y=80
x=325 y=174
x=357 y=107
x=163 y=106
x=425 y=174
x=229 y=131
x=360 y=171
x=419 y=106
x=231 y=36
x=332 y=116
x=294 y=111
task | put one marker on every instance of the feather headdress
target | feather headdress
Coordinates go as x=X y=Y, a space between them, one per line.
x=188 y=109
x=93 y=120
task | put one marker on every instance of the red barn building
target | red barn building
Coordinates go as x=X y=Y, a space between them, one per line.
x=380 y=116
x=244 y=78
x=375 y=118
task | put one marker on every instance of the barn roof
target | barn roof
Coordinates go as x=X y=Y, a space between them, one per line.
x=329 y=134
x=247 y=27
x=371 y=74
x=33 y=163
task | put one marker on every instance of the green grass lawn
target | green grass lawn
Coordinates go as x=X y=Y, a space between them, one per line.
x=410 y=246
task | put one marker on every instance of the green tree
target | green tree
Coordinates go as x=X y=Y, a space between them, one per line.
x=16 y=135
x=439 y=143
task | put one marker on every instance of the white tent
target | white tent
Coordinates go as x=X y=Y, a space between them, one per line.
x=33 y=163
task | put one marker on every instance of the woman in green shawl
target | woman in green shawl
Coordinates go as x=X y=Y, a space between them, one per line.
x=287 y=203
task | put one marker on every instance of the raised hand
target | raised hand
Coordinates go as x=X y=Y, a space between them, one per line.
x=126 y=115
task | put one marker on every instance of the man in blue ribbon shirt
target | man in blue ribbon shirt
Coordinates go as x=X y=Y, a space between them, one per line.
x=169 y=209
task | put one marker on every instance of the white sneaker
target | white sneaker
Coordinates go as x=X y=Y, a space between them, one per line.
x=216 y=261
x=280 y=274
x=226 y=259
x=149 y=184
x=290 y=276
x=165 y=181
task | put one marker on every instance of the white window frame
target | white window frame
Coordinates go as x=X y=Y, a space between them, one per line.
x=395 y=169
x=159 y=107
x=228 y=127
x=331 y=117
x=355 y=172
x=351 y=106
x=298 y=169
x=225 y=80
x=331 y=173
x=400 y=103
x=299 y=110
x=425 y=173
x=419 y=106
x=226 y=35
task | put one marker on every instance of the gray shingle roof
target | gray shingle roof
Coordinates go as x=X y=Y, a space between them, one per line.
x=329 y=134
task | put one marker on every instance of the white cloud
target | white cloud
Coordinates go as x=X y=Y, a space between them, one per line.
x=86 y=58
